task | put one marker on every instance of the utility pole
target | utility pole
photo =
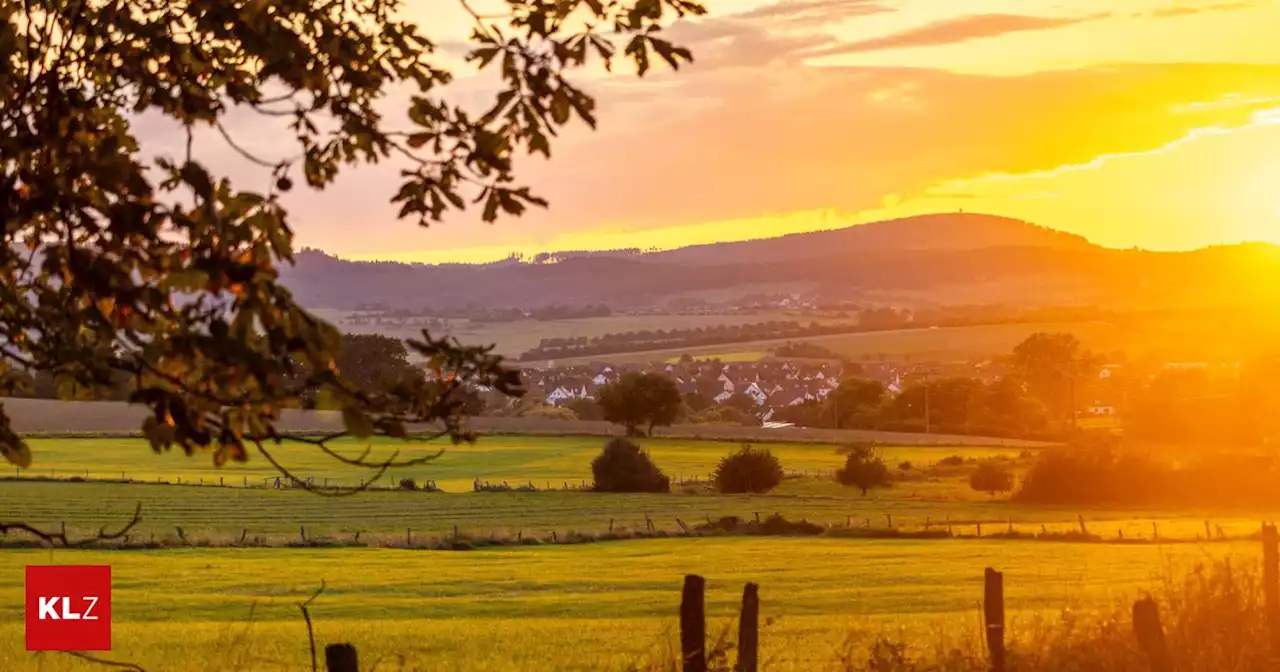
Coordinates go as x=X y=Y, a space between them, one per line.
x=928 y=386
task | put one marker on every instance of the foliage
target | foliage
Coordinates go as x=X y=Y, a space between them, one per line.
x=724 y=415
x=749 y=469
x=665 y=339
x=641 y=399
x=1056 y=369
x=585 y=409
x=855 y=402
x=549 y=412
x=864 y=469
x=170 y=275
x=991 y=477
x=624 y=467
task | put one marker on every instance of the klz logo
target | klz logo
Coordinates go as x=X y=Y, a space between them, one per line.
x=68 y=608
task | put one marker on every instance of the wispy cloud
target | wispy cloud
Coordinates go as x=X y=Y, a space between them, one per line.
x=1192 y=10
x=960 y=29
x=814 y=13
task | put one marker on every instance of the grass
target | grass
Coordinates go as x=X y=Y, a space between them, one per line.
x=513 y=338
x=544 y=460
x=597 y=607
x=946 y=344
x=731 y=357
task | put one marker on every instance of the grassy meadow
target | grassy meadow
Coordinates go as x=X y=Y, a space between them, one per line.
x=929 y=495
x=586 y=607
x=544 y=460
x=942 y=344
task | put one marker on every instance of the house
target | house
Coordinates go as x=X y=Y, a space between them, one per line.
x=753 y=390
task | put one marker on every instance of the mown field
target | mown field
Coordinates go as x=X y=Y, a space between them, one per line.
x=513 y=338
x=930 y=495
x=546 y=461
x=941 y=344
x=588 y=607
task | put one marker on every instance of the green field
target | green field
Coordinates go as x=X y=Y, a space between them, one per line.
x=220 y=514
x=588 y=607
x=544 y=460
x=513 y=338
x=941 y=344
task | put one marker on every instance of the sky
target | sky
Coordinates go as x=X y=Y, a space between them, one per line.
x=1156 y=126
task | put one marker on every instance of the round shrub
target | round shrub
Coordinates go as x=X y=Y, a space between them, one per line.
x=624 y=467
x=991 y=477
x=864 y=469
x=748 y=470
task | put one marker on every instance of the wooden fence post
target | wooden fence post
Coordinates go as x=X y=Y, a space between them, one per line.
x=341 y=658
x=1271 y=582
x=749 y=630
x=993 y=616
x=1150 y=634
x=693 y=625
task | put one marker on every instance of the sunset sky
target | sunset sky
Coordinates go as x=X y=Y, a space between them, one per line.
x=1156 y=125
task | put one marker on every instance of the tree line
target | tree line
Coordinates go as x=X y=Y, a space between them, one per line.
x=664 y=339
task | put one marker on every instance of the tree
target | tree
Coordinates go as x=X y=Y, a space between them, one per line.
x=170 y=275
x=1055 y=369
x=641 y=399
x=374 y=361
x=754 y=470
x=624 y=467
x=743 y=403
x=854 y=400
x=696 y=402
x=585 y=409
x=864 y=469
x=991 y=477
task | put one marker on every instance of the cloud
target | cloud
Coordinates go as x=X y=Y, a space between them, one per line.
x=1191 y=10
x=960 y=29
x=813 y=13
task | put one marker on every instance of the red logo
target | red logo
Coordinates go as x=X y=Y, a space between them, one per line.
x=68 y=608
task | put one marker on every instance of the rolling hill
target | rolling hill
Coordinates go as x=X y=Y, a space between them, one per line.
x=927 y=260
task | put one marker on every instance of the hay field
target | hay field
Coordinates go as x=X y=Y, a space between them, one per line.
x=591 y=607
x=547 y=461
x=940 y=344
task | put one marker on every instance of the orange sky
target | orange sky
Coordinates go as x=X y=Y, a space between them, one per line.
x=1155 y=126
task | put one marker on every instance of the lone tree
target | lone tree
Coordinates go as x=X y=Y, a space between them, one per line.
x=864 y=469
x=754 y=470
x=641 y=399
x=163 y=272
x=991 y=477
x=624 y=467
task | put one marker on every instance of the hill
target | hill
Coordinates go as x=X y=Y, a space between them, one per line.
x=928 y=260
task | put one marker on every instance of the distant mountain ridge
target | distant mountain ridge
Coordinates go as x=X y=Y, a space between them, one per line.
x=955 y=258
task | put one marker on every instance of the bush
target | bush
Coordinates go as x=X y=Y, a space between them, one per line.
x=624 y=467
x=905 y=466
x=991 y=477
x=748 y=470
x=953 y=461
x=408 y=484
x=864 y=469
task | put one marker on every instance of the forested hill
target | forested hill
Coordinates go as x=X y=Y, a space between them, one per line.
x=938 y=259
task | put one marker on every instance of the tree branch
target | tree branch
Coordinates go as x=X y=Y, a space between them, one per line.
x=60 y=538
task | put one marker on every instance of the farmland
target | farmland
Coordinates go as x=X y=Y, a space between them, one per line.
x=928 y=495
x=941 y=344
x=588 y=607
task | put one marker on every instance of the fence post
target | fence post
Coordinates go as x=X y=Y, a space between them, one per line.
x=1150 y=634
x=749 y=629
x=693 y=625
x=1271 y=582
x=993 y=616
x=341 y=658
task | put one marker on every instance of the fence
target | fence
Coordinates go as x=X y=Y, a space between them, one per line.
x=1147 y=627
